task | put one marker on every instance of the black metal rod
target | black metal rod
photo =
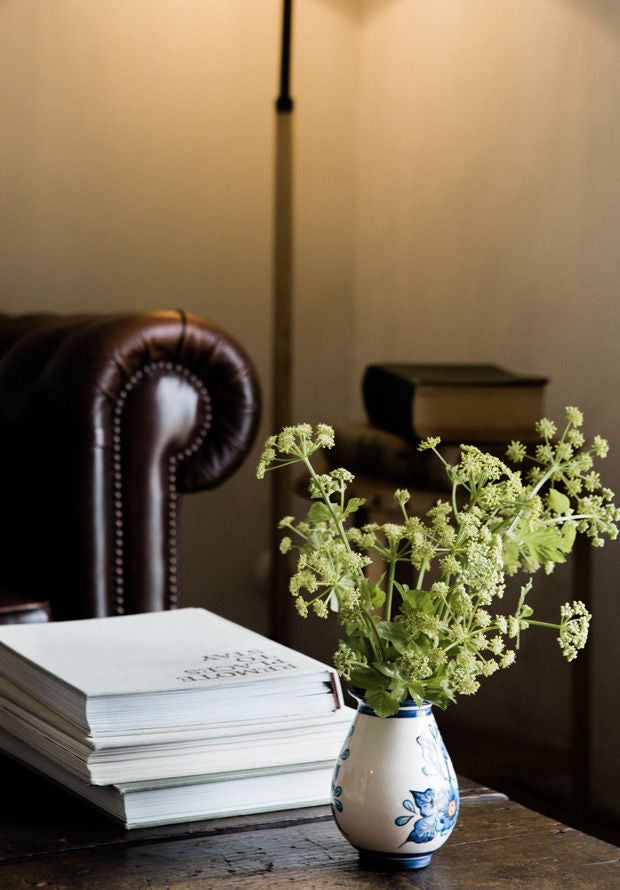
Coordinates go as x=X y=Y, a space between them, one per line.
x=281 y=481
x=284 y=102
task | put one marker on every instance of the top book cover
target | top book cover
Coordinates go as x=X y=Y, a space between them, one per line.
x=161 y=670
x=458 y=402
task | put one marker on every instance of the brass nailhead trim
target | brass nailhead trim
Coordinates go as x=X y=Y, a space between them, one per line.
x=158 y=368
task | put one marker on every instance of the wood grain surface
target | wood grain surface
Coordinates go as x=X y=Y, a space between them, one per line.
x=49 y=840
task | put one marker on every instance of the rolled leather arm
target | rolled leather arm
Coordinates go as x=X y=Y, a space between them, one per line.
x=104 y=421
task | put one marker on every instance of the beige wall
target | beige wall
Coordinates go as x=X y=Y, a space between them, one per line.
x=456 y=197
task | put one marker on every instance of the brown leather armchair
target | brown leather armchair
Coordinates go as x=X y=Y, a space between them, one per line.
x=104 y=421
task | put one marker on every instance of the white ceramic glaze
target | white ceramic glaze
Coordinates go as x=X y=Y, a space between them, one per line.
x=394 y=793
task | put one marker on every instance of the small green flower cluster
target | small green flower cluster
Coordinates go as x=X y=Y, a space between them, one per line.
x=293 y=444
x=437 y=638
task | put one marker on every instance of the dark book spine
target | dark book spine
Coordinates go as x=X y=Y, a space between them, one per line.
x=388 y=399
x=370 y=451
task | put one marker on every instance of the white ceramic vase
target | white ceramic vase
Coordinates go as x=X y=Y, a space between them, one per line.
x=394 y=792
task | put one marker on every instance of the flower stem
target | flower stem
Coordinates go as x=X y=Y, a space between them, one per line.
x=544 y=624
x=374 y=639
x=390 y=590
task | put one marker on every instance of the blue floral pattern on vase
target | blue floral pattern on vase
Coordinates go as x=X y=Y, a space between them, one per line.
x=434 y=809
x=337 y=789
x=436 y=813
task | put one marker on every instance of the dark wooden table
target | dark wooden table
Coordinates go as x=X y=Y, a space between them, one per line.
x=49 y=840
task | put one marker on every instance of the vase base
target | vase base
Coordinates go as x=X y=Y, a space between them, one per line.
x=392 y=861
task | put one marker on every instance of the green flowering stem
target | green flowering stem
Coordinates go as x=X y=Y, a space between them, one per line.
x=547 y=428
x=534 y=492
x=434 y=642
x=431 y=444
x=420 y=579
x=570 y=517
x=374 y=638
x=328 y=503
x=390 y=590
x=534 y=623
x=573 y=629
x=521 y=620
x=288 y=523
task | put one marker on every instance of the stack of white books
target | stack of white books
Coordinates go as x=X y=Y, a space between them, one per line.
x=170 y=716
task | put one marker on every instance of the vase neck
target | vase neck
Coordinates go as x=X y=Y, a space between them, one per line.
x=407 y=708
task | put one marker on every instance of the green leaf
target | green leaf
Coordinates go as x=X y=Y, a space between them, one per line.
x=366 y=678
x=569 y=533
x=510 y=555
x=546 y=544
x=382 y=702
x=385 y=669
x=392 y=633
x=399 y=692
x=416 y=692
x=319 y=512
x=353 y=504
x=558 y=501
x=377 y=596
x=443 y=695
x=419 y=599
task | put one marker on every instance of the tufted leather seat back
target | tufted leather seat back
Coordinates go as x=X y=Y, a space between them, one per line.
x=104 y=421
